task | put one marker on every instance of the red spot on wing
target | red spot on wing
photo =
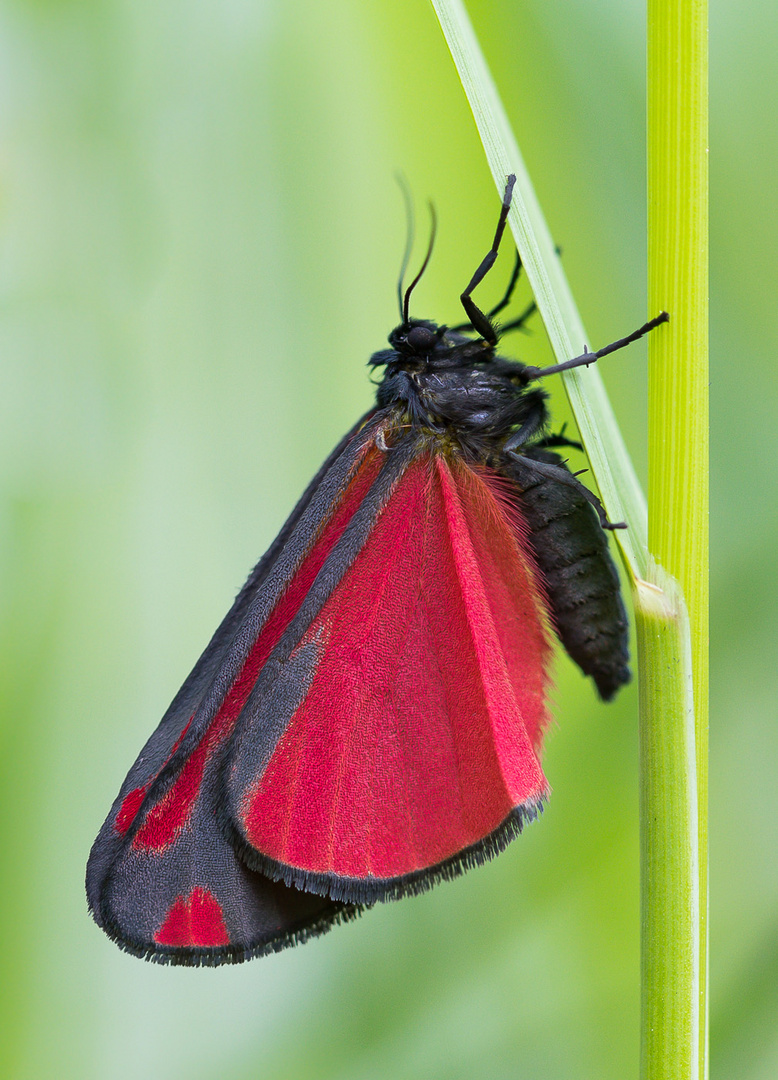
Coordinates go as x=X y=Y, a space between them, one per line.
x=420 y=729
x=197 y=920
x=165 y=820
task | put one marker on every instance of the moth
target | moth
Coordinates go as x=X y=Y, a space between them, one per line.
x=368 y=718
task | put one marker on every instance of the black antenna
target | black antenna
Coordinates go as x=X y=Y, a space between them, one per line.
x=427 y=257
x=408 y=199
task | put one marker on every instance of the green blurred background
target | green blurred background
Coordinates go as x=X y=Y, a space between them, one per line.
x=199 y=240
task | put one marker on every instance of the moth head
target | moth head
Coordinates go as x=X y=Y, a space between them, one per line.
x=414 y=340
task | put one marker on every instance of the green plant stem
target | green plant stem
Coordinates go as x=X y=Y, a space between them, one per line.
x=678 y=430
x=672 y=655
x=670 y=894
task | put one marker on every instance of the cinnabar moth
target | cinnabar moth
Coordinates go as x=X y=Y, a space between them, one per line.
x=369 y=715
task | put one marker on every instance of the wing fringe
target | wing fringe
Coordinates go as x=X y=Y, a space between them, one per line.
x=364 y=892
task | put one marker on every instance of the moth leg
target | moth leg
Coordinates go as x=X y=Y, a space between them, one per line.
x=586 y=358
x=550 y=441
x=480 y=322
x=509 y=291
x=533 y=405
x=518 y=323
x=562 y=476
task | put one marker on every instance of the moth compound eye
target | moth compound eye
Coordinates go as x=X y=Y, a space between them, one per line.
x=420 y=339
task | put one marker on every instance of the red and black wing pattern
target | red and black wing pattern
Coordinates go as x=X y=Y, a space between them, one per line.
x=366 y=719
x=392 y=736
x=162 y=880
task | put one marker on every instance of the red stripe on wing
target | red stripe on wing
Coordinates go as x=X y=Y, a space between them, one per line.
x=133 y=800
x=165 y=819
x=418 y=735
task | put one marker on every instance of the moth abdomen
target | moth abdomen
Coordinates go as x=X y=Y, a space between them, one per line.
x=581 y=580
